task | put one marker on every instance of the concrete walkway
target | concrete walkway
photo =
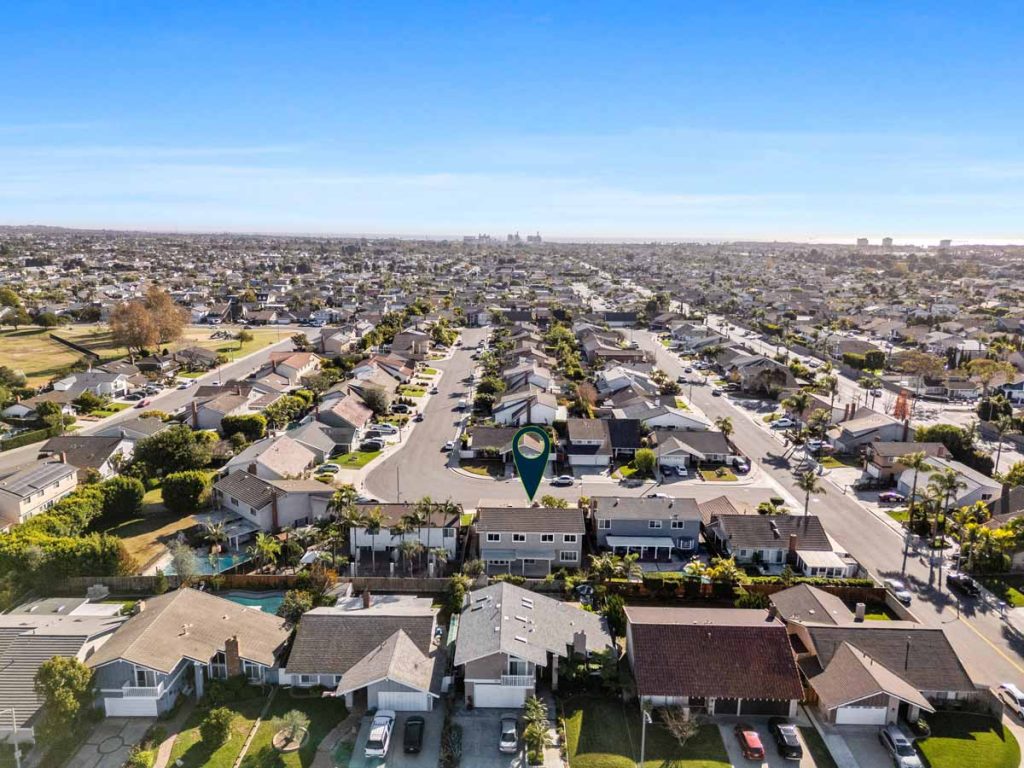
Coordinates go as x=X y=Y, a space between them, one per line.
x=174 y=726
x=835 y=743
x=109 y=743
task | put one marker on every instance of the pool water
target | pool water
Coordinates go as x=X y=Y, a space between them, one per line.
x=208 y=565
x=268 y=602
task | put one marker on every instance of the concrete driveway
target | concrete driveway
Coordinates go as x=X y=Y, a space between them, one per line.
x=480 y=729
x=865 y=746
x=429 y=755
x=772 y=757
x=110 y=742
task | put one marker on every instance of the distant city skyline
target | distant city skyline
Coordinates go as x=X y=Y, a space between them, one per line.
x=795 y=122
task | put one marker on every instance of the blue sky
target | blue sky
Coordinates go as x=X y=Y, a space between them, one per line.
x=809 y=121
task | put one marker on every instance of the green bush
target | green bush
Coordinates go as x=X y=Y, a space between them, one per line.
x=216 y=727
x=28 y=438
x=253 y=426
x=122 y=498
x=140 y=758
x=185 y=492
x=455 y=593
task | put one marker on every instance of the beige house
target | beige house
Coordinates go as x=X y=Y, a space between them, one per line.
x=34 y=489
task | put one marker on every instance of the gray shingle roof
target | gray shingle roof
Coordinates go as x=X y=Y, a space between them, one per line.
x=773 y=531
x=529 y=519
x=644 y=508
x=247 y=488
x=397 y=659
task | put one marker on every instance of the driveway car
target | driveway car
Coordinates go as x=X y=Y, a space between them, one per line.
x=786 y=738
x=716 y=392
x=1012 y=698
x=412 y=735
x=741 y=466
x=400 y=408
x=384 y=429
x=749 y=741
x=563 y=481
x=372 y=445
x=899 y=590
x=328 y=469
x=508 y=735
x=380 y=733
x=899 y=746
x=891 y=497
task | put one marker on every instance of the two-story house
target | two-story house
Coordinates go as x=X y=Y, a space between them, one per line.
x=589 y=443
x=883 y=458
x=178 y=641
x=294 y=366
x=510 y=637
x=30 y=490
x=272 y=504
x=529 y=541
x=275 y=458
x=439 y=530
x=653 y=528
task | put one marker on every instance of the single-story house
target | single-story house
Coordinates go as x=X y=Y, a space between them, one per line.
x=682 y=449
x=977 y=487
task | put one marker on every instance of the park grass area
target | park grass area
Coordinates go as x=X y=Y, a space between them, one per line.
x=720 y=475
x=966 y=739
x=1008 y=587
x=324 y=715
x=355 y=459
x=32 y=351
x=603 y=733
x=192 y=753
x=816 y=746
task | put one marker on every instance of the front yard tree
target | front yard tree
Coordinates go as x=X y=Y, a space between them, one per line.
x=553 y=502
x=808 y=483
x=301 y=342
x=644 y=461
x=683 y=727
x=216 y=727
x=377 y=400
x=185 y=492
x=177 y=449
x=65 y=686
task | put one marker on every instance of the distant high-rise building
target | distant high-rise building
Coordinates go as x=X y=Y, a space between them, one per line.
x=514 y=238
x=945 y=243
x=861 y=242
x=887 y=242
x=533 y=238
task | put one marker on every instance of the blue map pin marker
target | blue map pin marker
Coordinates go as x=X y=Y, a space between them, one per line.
x=531 y=468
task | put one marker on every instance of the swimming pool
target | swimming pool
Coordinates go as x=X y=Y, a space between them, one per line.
x=208 y=565
x=268 y=602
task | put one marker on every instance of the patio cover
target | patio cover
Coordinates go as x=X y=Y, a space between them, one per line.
x=634 y=542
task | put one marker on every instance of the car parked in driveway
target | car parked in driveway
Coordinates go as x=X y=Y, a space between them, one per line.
x=749 y=741
x=412 y=735
x=787 y=738
x=783 y=423
x=891 y=497
x=379 y=740
x=899 y=746
x=508 y=735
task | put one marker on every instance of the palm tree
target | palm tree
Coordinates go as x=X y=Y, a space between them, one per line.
x=438 y=555
x=265 y=550
x=916 y=461
x=829 y=384
x=808 y=483
x=215 y=534
x=1004 y=425
x=417 y=518
x=410 y=548
x=628 y=568
x=945 y=484
x=797 y=404
x=372 y=522
x=349 y=520
x=344 y=497
x=426 y=506
x=724 y=424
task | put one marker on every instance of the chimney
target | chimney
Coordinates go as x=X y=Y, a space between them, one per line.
x=140 y=606
x=367 y=598
x=579 y=642
x=773 y=612
x=63 y=457
x=858 y=612
x=793 y=539
x=1004 y=500
x=273 y=509
x=906 y=659
x=195 y=415
x=906 y=429
x=251 y=469
x=232 y=657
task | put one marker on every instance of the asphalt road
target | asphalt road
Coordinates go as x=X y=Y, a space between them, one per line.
x=169 y=400
x=988 y=645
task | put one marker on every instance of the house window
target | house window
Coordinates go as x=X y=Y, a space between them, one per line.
x=654 y=523
x=145 y=678
x=518 y=537
x=604 y=525
x=253 y=672
x=494 y=537
x=678 y=524
x=233 y=500
x=497 y=562
x=567 y=557
x=529 y=561
x=547 y=538
x=448 y=533
x=518 y=667
x=743 y=553
x=778 y=556
x=569 y=538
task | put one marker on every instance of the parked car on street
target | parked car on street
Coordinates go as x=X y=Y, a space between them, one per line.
x=412 y=736
x=961 y=582
x=899 y=746
x=143 y=403
x=418 y=417
x=750 y=741
x=379 y=740
x=1013 y=698
x=564 y=480
x=899 y=590
x=787 y=738
x=449 y=446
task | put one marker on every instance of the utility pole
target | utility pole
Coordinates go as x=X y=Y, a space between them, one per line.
x=643 y=732
x=398 y=482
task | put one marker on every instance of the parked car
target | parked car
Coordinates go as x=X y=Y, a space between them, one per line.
x=374 y=444
x=412 y=736
x=379 y=740
x=433 y=390
x=716 y=392
x=750 y=742
x=401 y=408
x=463 y=404
x=899 y=590
x=384 y=429
x=143 y=402
x=328 y=469
x=899 y=746
x=134 y=397
x=508 y=737
x=418 y=417
x=816 y=445
x=783 y=423
x=186 y=384
x=961 y=582
x=688 y=369
x=786 y=738
x=891 y=497
x=449 y=446
x=564 y=480
x=1012 y=698
x=741 y=466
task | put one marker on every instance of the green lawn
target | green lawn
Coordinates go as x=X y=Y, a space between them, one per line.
x=900 y=515
x=1006 y=588
x=323 y=715
x=484 y=470
x=189 y=748
x=109 y=410
x=961 y=739
x=603 y=733
x=429 y=371
x=722 y=475
x=816 y=746
x=830 y=462
x=407 y=391
x=355 y=459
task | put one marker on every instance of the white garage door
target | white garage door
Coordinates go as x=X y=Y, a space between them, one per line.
x=861 y=715
x=404 y=701
x=130 y=707
x=498 y=696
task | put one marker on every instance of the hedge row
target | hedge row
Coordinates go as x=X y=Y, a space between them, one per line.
x=27 y=438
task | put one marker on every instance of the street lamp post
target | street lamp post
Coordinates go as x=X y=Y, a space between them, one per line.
x=643 y=732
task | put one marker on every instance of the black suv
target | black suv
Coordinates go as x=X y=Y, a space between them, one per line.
x=961 y=582
x=786 y=738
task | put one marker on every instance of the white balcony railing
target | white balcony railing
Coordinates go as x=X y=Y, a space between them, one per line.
x=142 y=692
x=517 y=681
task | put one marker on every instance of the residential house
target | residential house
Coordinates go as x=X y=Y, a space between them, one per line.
x=99 y=383
x=134 y=429
x=657 y=415
x=196 y=358
x=857 y=433
x=529 y=541
x=440 y=531
x=294 y=366
x=653 y=528
x=714 y=661
x=89 y=453
x=272 y=504
x=509 y=638
x=212 y=402
x=883 y=457
x=673 y=448
x=378 y=652
x=30 y=490
x=526 y=407
x=976 y=486
x=321 y=440
x=347 y=412
x=178 y=641
x=774 y=541
x=528 y=374
x=588 y=443
x=274 y=458
x=411 y=343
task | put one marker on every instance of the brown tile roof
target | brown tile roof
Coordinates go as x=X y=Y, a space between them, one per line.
x=730 y=653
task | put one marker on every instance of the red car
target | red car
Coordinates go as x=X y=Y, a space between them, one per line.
x=749 y=741
x=143 y=403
